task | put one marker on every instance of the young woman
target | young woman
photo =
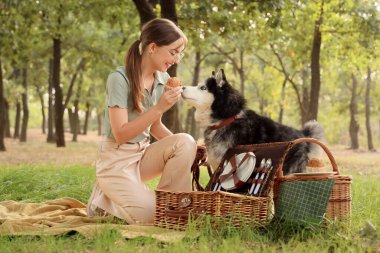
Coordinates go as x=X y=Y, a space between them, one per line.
x=136 y=98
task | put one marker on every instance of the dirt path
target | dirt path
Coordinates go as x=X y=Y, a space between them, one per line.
x=37 y=151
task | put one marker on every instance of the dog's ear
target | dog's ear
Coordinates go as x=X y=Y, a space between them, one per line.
x=220 y=78
x=213 y=74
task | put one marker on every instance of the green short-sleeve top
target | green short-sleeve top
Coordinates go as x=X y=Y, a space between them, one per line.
x=118 y=94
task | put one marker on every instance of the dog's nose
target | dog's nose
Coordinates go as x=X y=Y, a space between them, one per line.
x=183 y=87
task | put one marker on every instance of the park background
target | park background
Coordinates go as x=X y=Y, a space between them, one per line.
x=293 y=61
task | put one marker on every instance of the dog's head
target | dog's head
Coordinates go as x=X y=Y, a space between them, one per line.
x=215 y=95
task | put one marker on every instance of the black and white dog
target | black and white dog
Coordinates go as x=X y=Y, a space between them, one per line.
x=220 y=109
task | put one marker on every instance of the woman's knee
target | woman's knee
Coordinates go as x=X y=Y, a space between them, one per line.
x=142 y=208
x=186 y=141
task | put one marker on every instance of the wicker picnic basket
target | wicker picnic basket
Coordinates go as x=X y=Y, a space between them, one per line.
x=339 y=204
x=175 y=209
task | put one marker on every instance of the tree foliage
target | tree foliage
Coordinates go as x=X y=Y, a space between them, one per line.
x=265 y=48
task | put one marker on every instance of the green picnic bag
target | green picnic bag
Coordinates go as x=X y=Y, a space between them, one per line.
x=312 y=197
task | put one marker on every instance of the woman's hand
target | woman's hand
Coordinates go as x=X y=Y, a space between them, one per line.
x=169 y=98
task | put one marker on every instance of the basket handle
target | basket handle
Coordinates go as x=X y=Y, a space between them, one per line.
x=327 y=151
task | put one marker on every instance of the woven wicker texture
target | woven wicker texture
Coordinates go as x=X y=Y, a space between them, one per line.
x=173 y=209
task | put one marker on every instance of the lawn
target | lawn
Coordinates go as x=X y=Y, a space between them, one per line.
x=37 y=171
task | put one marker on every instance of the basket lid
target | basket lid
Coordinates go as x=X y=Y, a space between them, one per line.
x=243 y=171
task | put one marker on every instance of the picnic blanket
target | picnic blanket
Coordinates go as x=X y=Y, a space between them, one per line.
x=65 y=216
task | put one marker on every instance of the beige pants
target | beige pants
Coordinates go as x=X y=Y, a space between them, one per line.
x=121 y=171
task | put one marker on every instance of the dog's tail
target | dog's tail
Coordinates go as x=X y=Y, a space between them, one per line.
x=314 y=130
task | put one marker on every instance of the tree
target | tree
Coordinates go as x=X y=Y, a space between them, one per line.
x=59 y=20
x=354 y=125
x=58 y=97
x=368 y=111
x=25 y=106
x=357 y=43
x=315 y=66
x=50 y=138
x=2 y=115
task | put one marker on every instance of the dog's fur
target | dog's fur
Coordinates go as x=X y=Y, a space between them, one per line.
x=216 y=100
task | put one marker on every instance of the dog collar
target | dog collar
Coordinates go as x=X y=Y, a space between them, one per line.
x=224 y=123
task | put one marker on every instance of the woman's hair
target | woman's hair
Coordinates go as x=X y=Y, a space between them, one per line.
x=160 y=31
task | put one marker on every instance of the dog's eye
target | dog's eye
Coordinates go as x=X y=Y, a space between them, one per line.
x=203 y=87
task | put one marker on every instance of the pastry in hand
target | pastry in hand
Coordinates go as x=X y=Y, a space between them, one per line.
x=173 y=82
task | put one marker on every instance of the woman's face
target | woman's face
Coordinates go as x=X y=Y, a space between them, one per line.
x=165 y=56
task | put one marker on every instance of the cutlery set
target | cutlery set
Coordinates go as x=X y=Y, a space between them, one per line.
x=261 y=177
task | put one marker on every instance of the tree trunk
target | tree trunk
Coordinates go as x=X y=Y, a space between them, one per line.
x=2 y=120
x=193 y=130
x=76 y=125
x=7 y=130
x=50 y=136
x=172 y=117
x=354 y=125
x=145 y=10
x=368 y=110
x=72 y=82
x=305 y=95
x=281 y=113
x=168 y=10
x=241 y=72
x=58 y=102
x=86 y=117
x=70 y=114
x=315 y=68
x=42 y=102
x=99 y=119
x=263 y=103
x=25 y=106
x=16 y=133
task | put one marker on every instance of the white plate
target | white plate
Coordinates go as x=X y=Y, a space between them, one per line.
x=310 y=174
x=243 y=172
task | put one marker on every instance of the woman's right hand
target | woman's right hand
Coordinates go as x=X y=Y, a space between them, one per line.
x=169 y=98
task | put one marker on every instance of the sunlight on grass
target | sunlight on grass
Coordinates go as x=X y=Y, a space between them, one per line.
x=37 y=182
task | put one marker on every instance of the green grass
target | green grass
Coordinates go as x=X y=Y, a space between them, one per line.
x=37 y=183
x=33 y=183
